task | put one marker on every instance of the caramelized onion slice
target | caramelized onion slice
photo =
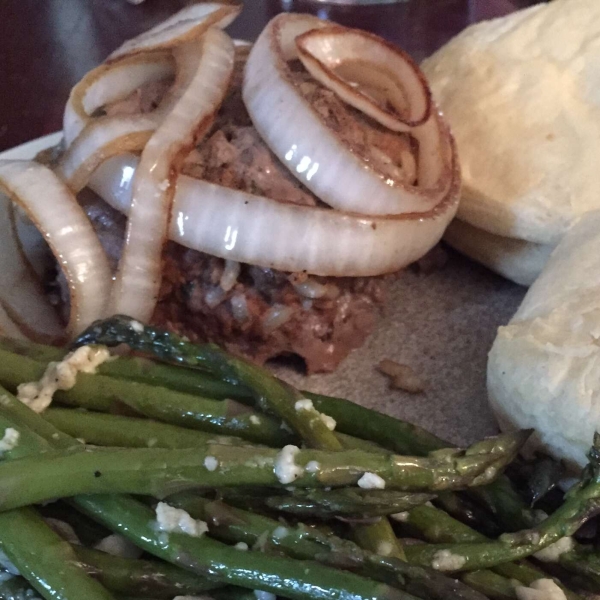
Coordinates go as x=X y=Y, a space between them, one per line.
x=260 y=231
x=206 y=66
x=313 y=152
x=49 y=204
x=109 y=83
x=100 y=140
x=368 y=73
x=189 y=23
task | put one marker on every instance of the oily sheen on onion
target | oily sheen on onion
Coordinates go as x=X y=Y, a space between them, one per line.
x=374 y=226
x=190 y=48
x=295 y=132
x=51 y=207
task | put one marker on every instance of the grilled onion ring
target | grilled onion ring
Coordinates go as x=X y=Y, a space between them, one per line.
x=295 y=132
x=52 y=208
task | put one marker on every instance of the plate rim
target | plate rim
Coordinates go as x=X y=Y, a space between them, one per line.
x=28 y=150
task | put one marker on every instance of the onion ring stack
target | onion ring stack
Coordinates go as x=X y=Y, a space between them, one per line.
x=376 y=226
x=368 y=223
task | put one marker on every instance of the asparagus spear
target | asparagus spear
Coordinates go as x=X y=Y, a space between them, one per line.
x=271 y=394
x=491 y=584
x=345 y=502
x=236 y=525
x=283 y=576
x=101 y=393
x=401 y=437
x=45 y=559
x=135 y=368
x=158 y=472
x=130 y=432
x=301 y=581
x=436 y=526
x=23 y=535
x=581 y=504
x=134 y=577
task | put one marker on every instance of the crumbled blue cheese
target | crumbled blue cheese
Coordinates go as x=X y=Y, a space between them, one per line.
x=330 y=422
x=385 y=548
x=211 y=463
x=10 y=440
x=280 y=532
x=401 y=517
x=312 y=467
x=260 y=595
x=286 y=469
x=255 y=420
x=542 y=589
x=304 y=404
x=444 y=560
x=117 y=545
x=61 y=376
x=371 y=481
x=241 y=546
x=136 y=326
x=174 y=520
x=552 y=553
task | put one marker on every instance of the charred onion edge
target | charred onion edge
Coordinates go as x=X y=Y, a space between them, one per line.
x=204 y=70
x=238 y=226
x=54 y=211
x=312 y=152
x=342 y=39
x=188 y=24
x=100 y=140
x=111 y=82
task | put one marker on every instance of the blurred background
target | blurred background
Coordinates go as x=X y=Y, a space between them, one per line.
x=46 y=46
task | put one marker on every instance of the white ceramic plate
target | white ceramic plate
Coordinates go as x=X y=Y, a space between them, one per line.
x=28 y=150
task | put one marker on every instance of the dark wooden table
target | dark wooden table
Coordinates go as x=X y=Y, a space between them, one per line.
x=47 y=45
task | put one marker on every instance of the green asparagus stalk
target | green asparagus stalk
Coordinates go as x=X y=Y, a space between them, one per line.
x=351 y=418
x=378 y=537
x=581 y=504
x=436 y=526
x=301 y=581
x=101 y=393
x=129 y=432
x=466 y=510
x=136 y=368
x=282 y=576
x=45 y=559
x=260 y=532
x=492 y=585
x=24 y=534
x=159 y=472
x=267 y=391
x=134 y=577
x=352 y=503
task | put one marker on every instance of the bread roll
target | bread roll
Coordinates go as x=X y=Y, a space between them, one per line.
x=544 y=367
x=514 y=259
x=522 y=95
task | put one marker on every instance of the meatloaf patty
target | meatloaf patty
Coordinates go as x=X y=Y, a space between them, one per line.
x=259 y=312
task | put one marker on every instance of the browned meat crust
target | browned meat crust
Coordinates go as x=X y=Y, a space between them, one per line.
x=255 y=312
